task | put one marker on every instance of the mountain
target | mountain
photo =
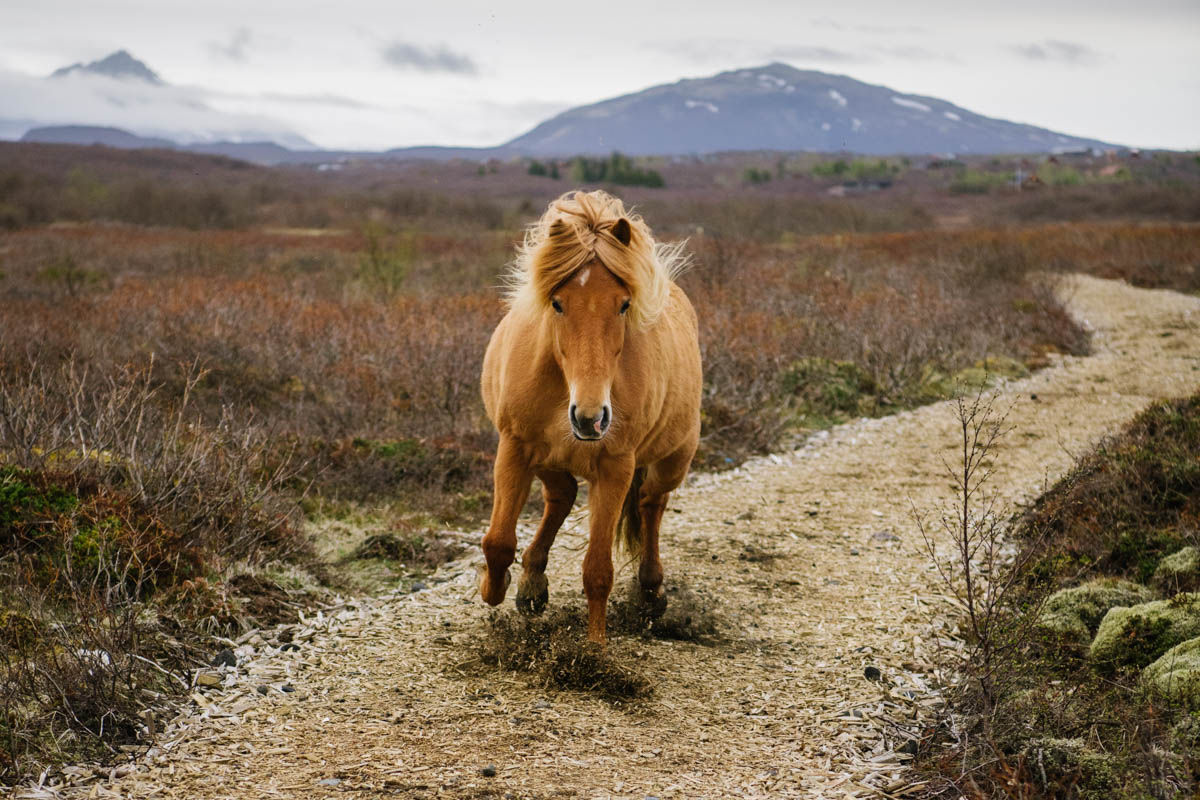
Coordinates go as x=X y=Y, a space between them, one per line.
x=779 y=107
x=115 y=65
x=118 y=101
x=93 y=134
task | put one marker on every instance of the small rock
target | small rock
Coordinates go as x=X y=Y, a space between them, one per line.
x=1033 y=397
x=329 y=782
x=287 y=688
x=225 y=658
x=417 y=586
x=884 y=536
x=262 y=689
x=540 y=704
x=208 y=679
x=489 y=771
x=853 y=552
x=872 y=673
x=910 y=747
x=746 y=515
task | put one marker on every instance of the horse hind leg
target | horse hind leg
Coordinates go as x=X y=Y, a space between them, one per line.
x=661 y=479
x=533 y=590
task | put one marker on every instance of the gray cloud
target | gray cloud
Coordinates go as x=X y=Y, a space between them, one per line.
x=729 y=52
x=235 y=48
x=913 y=53
x=826 y=22
x=403 y=55
x=1058 y=51
x=817 y=53
x=316 y=99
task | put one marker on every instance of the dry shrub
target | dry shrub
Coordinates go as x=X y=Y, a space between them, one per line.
x=114 y=510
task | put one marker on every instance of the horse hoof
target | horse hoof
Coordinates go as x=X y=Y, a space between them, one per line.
x=532 y=594
x=489 y=596
x=654 y=603
x=532 y=606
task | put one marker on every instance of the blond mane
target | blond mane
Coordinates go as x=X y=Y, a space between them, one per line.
x=580 y=226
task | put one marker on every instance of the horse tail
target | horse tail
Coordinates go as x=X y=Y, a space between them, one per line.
x=629 y=526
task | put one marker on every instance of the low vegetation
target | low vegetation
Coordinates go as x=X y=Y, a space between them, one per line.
x=1098 y=691
x=206 y=364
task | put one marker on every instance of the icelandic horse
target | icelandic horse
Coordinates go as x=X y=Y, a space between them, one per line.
x=593 y=373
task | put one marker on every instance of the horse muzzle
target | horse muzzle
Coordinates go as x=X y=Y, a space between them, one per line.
x=590 y=427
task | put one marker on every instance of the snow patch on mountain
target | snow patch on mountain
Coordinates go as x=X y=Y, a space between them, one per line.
x=904 y=101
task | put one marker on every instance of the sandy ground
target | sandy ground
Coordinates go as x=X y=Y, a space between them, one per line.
x=810 y=559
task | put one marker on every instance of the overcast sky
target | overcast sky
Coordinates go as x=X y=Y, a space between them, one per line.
x=376 y=74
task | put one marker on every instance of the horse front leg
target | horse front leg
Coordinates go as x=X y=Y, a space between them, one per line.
x=512 y=478
x=606 y=495
x=558 y=491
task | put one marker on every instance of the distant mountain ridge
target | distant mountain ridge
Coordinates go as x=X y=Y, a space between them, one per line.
x=773 y=107
x=779 y=107
x=115 y=65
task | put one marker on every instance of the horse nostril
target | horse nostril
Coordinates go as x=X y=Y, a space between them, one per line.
x=605 y=418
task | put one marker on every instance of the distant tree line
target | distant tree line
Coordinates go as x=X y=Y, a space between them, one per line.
x=617 y=168
x=541 y=170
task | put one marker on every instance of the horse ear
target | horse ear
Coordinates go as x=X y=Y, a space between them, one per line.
x=623 y=231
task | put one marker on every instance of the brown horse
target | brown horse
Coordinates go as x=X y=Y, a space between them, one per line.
x=594 y=373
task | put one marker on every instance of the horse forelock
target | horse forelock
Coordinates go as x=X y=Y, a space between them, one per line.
x=580 y=227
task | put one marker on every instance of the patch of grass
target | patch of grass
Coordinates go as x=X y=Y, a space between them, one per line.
x=1127 y=505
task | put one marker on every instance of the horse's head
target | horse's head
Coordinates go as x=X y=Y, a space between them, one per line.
x=589 y=324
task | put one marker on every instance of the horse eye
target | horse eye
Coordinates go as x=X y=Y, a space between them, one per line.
x=624 y=306
x=557 y=306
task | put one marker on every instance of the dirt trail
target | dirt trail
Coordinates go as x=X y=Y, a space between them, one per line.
x=811 y=560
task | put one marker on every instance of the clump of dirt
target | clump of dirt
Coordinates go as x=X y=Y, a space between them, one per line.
x=264 y=600
x=554 y=650
x=423 y=549
x=691 y=616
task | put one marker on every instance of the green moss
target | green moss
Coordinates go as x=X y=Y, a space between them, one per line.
x=23 y=500
x=18 y=631
x=1135 y=636
x=1139 y=551
x=1074 y=614
x=1179 y=572
x=1185 y=734
x=1175 y=675
x=1069 y=763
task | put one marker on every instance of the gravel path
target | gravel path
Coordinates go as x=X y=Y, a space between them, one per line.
x=809 y=559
